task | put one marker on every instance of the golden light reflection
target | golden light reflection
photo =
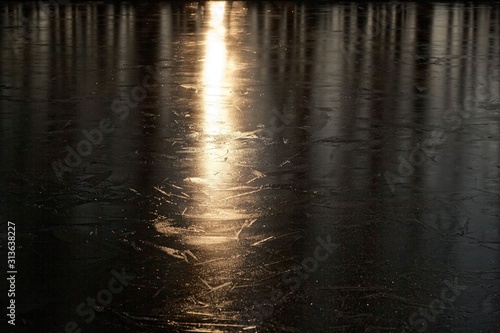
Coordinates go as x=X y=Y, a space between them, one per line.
x=217 y=82
x=214 y=73
x=218 y=127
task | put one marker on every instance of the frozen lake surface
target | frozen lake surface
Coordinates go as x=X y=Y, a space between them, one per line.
x=252 y=166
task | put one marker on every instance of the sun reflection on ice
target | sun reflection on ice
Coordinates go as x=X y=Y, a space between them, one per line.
x=216 y=161
x=215 y=78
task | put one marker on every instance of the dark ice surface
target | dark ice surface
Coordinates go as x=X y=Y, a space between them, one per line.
x=251 y=166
